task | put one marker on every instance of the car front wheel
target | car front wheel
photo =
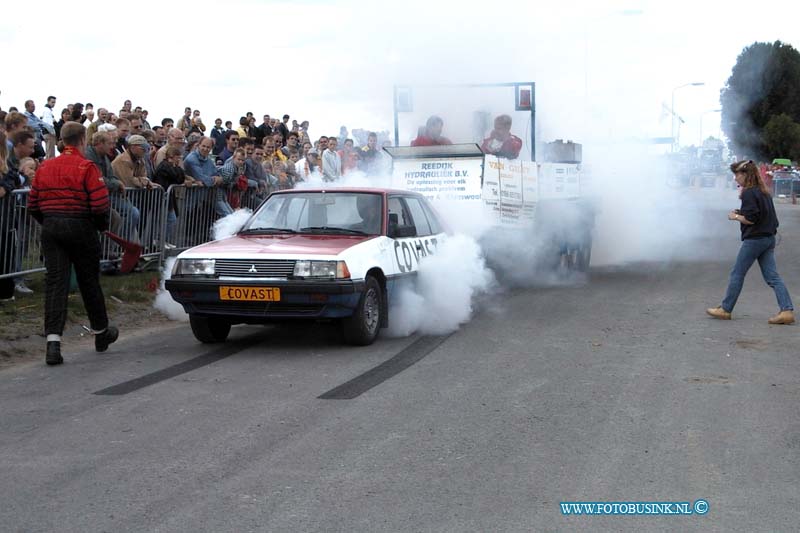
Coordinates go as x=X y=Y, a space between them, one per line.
x=362 y=328
x=209 y=330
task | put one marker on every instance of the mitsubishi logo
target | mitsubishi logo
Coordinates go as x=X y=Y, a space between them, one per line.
x=252 y=269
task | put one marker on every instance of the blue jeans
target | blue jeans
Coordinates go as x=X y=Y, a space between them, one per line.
x=763 y=249
x=172 y=220
x=130 y=217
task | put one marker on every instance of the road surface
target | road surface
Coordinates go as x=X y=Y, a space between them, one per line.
x=617 y=390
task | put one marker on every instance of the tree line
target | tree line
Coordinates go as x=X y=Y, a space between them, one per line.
x=761 y=102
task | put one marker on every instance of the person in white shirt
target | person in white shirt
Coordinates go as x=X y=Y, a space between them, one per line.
x=331 y=162
x=49 y=120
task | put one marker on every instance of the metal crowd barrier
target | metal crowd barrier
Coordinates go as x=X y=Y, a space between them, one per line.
x=143 y=216
x=137 y=216
x=20 y=243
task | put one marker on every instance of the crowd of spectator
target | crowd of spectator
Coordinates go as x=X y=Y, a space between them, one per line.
x=133 y=153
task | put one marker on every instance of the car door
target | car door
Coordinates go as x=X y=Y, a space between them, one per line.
x=414 y=234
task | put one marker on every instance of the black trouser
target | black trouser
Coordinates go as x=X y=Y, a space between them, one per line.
x=65 y=242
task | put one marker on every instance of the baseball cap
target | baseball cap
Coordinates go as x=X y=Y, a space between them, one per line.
x=137 y=139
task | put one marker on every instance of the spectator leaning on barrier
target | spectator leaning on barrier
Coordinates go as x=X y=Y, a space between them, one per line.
x=70 y=201
x=130 y=214
x=8 y=182
x=102 y=143
x=234 y=178
x=170 y=172
x=130 y=166
x=201 y=167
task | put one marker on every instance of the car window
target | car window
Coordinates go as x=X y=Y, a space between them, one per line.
x=396 y=208
x=418 y=214
x=433 y=219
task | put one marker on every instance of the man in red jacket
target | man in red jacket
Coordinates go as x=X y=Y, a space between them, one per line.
x=432 y=133
x=501 y=142
x=69 y=199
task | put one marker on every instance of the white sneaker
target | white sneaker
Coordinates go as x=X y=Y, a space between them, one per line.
x=21 y=288
x=169 y=245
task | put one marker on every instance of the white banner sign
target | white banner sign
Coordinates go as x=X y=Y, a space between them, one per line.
x=440 y=179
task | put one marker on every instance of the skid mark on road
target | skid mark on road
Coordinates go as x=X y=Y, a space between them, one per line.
x=373 y=377
x=158 y=376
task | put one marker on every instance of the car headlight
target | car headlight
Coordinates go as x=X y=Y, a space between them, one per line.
x=194 y=267
x=321 y=269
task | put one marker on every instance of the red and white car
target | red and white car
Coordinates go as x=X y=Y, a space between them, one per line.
x=309 y=254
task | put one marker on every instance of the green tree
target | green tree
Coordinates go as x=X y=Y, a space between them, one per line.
x=764 y=83
x=782 y=137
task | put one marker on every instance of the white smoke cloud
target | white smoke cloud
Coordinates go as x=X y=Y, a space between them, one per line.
x=230 y=225
x=164 y=302
x=444 y=295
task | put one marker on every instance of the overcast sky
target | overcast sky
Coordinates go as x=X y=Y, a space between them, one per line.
x=602 y=69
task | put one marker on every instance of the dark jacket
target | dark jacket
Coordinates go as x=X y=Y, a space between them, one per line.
x=103 y=164
x=167 y=174
x=758 y=208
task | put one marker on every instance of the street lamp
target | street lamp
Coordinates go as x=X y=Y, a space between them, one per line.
x=704 y=113
x=692 y=84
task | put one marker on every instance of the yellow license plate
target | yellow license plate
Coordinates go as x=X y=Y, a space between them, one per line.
x=250 y=294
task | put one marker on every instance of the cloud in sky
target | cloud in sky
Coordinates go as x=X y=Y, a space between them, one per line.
x=601 y=68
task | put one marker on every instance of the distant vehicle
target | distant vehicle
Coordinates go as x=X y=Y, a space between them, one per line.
x=309 y=254
x=785 y=183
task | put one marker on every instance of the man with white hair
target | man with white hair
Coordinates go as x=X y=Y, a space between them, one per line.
x=119 y=201
x=102 y=118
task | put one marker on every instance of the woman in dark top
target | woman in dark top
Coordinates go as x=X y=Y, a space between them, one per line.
x=169 y=172
x=759 y=224
x=65 y=114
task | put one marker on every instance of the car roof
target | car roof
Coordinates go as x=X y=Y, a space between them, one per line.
x=373 y=190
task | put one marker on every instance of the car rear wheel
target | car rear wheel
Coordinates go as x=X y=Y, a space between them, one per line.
x=209 y=330
x=362 y=328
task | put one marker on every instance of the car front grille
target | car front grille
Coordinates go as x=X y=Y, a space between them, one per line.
x=255 y=268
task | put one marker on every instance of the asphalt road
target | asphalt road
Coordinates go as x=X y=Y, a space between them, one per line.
x=616 y=390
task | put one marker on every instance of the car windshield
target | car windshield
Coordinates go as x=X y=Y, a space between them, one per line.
x=350 y=213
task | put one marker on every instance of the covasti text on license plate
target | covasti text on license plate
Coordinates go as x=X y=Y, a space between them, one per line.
x=250 y=294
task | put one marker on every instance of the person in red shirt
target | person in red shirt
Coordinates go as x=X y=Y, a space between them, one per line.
x=432 y=135
x=349 y=157
x=501 y=142
x=69 y=198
